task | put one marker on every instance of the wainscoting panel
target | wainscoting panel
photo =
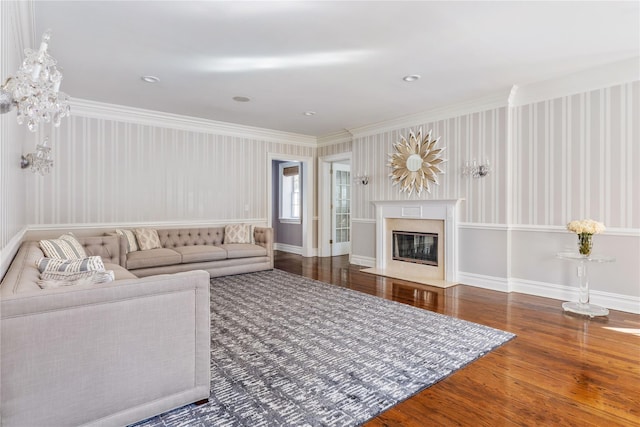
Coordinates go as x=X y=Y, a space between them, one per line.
x=113 y=171
x=483 y=251
x=533 y=259
x=363 y=238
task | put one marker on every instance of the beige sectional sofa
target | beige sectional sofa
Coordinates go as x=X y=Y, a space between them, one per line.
x=185 y=249
x=116 y=353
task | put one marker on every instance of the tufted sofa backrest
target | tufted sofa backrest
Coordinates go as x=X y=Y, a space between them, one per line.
x=174 y=238
x=107 y=247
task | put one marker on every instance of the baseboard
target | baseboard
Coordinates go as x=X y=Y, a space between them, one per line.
x=362 y=260
x=485 y=282
x=627 y=303
x=292 y=249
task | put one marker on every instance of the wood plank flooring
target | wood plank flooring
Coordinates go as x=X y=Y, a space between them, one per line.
x=560 y=370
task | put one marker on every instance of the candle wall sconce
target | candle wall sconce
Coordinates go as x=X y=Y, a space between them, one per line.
x=475 y=170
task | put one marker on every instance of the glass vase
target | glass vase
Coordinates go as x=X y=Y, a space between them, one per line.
x=585 y=243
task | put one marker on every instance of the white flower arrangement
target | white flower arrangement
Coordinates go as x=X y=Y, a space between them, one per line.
x=586 y=226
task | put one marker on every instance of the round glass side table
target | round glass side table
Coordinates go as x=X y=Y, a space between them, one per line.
x=582 y=306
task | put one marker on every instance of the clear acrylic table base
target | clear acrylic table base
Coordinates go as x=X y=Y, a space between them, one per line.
x=587 y=309
x=582 y=306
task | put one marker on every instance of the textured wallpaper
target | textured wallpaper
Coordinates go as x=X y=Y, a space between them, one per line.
x=576 y=157
x=13 y=138
x=108 y=171
x=570 y=157
x=478 y=136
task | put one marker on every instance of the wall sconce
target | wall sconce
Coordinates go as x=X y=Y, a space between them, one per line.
x=362 y=179
x=35 y=89
x=40 y=161
x=476 y=170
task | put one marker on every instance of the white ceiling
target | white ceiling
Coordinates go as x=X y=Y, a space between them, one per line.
x=343 y=60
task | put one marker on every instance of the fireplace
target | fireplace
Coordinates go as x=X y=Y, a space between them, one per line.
x=422 y=218
x=416 y=247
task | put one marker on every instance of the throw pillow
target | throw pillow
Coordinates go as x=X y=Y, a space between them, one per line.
x=147 y=238
x=56 y=280
x=92 y=263
x=132 y=244
x=64 y=247
x=236 y=233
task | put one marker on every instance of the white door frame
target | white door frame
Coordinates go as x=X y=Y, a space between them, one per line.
x=308 y=196
x=324 y=201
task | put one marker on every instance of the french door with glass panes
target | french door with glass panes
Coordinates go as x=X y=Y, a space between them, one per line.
x=341 y=209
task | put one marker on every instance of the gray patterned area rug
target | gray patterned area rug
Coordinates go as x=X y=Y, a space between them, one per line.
x=291 y=351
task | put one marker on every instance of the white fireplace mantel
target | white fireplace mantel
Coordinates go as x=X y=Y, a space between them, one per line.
x=436 y=209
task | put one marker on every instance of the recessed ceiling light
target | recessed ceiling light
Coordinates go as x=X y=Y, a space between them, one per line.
x=309 y=113
x=411 y=77
x=241 y=99
x=150 y=79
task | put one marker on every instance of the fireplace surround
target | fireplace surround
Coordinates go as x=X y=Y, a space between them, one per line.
x=420 y=216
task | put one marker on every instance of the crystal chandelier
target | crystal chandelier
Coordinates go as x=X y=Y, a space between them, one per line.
x=40 y=161
x=35 y=89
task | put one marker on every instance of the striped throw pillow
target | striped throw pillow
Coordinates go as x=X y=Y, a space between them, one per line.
x=64 y=247
x=56 y=280
x=92 y=263
x=132 y=243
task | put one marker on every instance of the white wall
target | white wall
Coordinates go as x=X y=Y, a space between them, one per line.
x=14 y=37
x=576 y=156
x=465 y=137
x=116 y=165
x=569 y=157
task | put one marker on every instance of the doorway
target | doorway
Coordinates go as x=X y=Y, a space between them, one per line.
x=305 y=218
x=341 y=209
x=334 y=231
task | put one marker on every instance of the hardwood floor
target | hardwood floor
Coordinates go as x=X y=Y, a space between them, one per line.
x=560 y=370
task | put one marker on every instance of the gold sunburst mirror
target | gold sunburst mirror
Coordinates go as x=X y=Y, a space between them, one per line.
x=414 y=165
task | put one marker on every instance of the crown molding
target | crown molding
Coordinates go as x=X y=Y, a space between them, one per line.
x=335 y=138
x=495 y=100
x=595 y=78
x=121 y=113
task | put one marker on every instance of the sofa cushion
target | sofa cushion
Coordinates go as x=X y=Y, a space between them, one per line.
x=147 y=238
x=64 y=247
x=153 y=258
x=199 y=253
x=119 y=271
x=243 y=250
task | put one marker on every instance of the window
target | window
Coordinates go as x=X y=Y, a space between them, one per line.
x=290 y=197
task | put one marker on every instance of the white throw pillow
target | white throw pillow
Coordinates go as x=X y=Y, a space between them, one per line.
x=56 y=280
x=132 y=243
x=64 y=247
x=237 y=233
x=92 y=263
x=147 y=238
